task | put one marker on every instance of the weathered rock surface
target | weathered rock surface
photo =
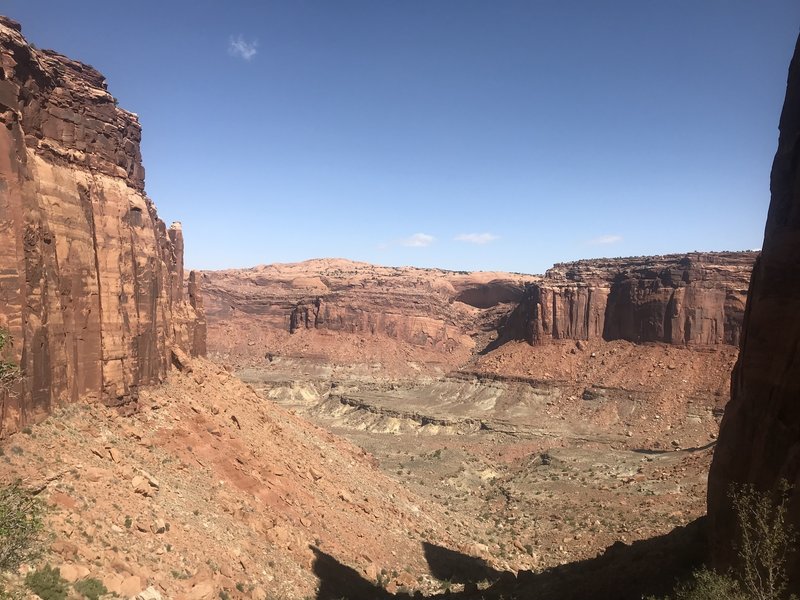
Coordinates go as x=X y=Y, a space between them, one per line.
x=91 y=280
x=759 y=440
x=254 y=311
x=692 y=299
x=445 y=317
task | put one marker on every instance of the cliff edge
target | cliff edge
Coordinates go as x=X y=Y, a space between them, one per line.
x=91 y=280
x=759 y=440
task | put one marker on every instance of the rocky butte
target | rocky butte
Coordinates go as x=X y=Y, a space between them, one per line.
x=690 y=299
x=759 y=440
x=91 y=281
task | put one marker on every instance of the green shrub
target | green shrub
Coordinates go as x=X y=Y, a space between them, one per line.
x=47 y=583
x=20 y=526
x=709 y=585
x=9 y=371
x=765 y=541
x=90 y=588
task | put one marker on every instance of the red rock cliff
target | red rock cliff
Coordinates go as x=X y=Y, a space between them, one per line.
x=426 y=315
x=759 y=439
x=91 y=280
x=694 y=299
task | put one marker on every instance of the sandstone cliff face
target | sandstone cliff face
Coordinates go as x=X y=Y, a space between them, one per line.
x=91 y=281
x=415 y=308
x=692 y=299
x=759 y=440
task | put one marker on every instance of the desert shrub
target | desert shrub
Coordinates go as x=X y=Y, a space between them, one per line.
x=47 y=583
x=20 y=526
x=765 y=542
x=9 y=371
x=709 y=585
x=90 y=588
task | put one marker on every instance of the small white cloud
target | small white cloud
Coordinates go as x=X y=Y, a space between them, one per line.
x=241 y=48
x=419 y=240
x=476 y=238
x=605 y=240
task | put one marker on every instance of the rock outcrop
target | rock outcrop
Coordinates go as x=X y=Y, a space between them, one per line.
x=689 y=299
x=91 y=280
x=759 y=440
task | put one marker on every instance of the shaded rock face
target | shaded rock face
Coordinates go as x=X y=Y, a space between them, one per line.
x=759 y=439
x=690 y=299
x=91 y=280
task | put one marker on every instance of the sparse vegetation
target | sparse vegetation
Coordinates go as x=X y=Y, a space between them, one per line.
x=709 y=585
x=20 y=526
x=47 y=583
x=9 y=371
x=766 y=540
x=90 y=588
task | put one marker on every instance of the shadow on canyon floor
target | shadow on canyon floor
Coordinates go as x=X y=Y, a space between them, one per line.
x=623 y=572
x=657 y=451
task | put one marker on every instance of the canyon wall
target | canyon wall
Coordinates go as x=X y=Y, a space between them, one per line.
x=91 y=280
x=278 y=309
x=759 y=440
x=688 y=299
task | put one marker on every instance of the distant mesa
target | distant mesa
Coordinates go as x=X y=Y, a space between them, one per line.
x=446 y=317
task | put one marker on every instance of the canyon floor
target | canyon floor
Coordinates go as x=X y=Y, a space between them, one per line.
x=298 y=478
x=539 y=456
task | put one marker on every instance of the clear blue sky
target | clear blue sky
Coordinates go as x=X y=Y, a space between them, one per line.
x=383 y=131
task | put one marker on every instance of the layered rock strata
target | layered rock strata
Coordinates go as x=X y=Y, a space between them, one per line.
x=91 y=280
x=691 y=299
x=759 y=440
x=416 y=307
x=687 y=299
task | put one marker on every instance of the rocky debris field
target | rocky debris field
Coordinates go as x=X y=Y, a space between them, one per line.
x=210 y=491
x=574 y=447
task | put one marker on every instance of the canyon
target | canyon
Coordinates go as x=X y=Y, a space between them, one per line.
x=334 y=428
x=593 y=391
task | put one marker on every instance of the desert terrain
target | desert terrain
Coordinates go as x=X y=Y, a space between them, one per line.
x=551 y=451
x=335 y=429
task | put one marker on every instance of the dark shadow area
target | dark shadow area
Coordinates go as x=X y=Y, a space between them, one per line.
x=495 y=344
x=671 y=450
x=621 y=572
x=449 y=565
x=338 y=581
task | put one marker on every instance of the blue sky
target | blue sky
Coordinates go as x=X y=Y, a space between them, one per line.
x=451 y=133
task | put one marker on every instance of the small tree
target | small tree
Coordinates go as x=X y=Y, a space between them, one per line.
x=9 y=371
x=766 y=539
x=20 y=526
